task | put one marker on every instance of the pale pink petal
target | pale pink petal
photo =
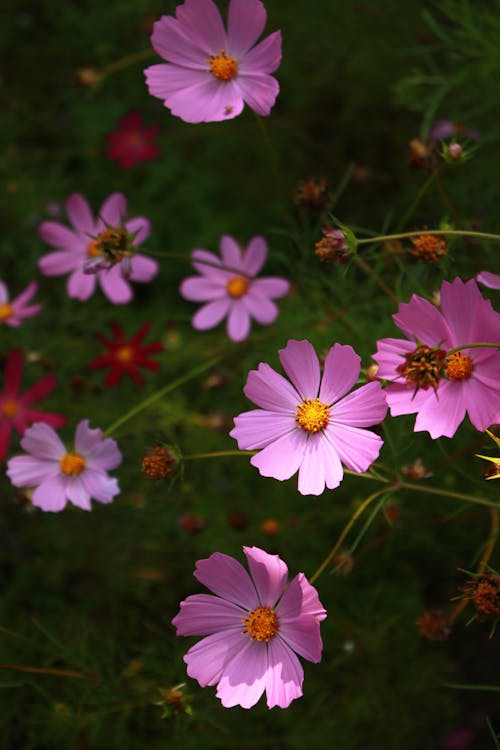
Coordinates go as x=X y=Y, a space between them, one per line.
x=28 y=471
x=282 y=458
x=112 y=211
x=420 y=319
x=246 y=21
x=269 y=574
x=140 y=227
x=256 y=429
x=226 y=577
x=284 y=676
x=207 y=658
x=196 y=289
x=208 y=101
x=270 y=286
x=211 y=314
x=77 y=494
x=244 y=677
x=442 y=412
x=163 y=80
x=260 y=309
x=61 y=262
x=299 y=600
x=204 y=614
x=80 y=214
x=50 y=495
x=104 y=456
x=482 y=403
x=390 y=355
x=238 y=321
x=4 y=294
x=491 y=280
x=356 y=448
x=143 y=268
x=301 y=364
x=81 y=285
x=21 y=300
x=461 y=304
x=59 y=236
x=201 y=20
x=340 y=372
x=207 y=263
x=302 y=635
x=99 y=486
x=363 y=407
x=258 y=91
x=114 y=286
x=270 y=390
x=265 y=57
x=231 y=253
x=320 y=466
x=255 y=255
x=86 y=438
x=404 y=399
x=43 y=442
x=172 y=41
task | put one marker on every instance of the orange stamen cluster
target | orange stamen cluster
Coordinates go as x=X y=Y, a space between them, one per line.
x=237 y=287
x=262 y=624
x=423 y=367
x=125 y=354
x=114 y=242
x=429 y=248
x=9 y=409
x=223 y=67
x=72 y=464
x=312 y=415
x=5 y=311
x=459 y=366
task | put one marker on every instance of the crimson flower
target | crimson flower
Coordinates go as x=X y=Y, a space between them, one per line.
x=126 y=356
x=15 y=410
x=131 y=143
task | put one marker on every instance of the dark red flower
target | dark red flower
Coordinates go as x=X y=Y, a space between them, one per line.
x=125 y=356
x=15 y=410
x=131 y=143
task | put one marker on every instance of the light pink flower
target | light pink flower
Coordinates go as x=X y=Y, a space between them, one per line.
x=425 y=379
x=59 y=475
x=12 y=312
x=491 y=280
x=310 y=425
x=254 y=627
x=210 y=73
x=83 y=243
x=229 y=288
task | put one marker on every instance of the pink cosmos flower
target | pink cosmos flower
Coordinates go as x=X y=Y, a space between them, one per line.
x=491 y=280
x=132 y=143
x=425 y=375
x=16 y=410
x=310 y=425
x=98 y=249
x=254 y=627
x=210 y=73
x=12 y=312
x=229 y=288
x=60 y=475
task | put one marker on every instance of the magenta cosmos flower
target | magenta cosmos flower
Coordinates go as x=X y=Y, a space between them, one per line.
x=16 y=411
x=60 y=475
x=427 y=377
x=229 y=288
x=310 y=425
x=210 y=73
x=254 y=627
x=12 y=312
x=491 y=280
x=98 y=249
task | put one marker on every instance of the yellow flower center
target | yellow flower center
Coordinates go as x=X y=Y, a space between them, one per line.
x=112 y=242
x=124 y=354
x=223 y=67
x=72 y=464
x=5 y=311
x=459 y=366
x=237 y=287
x=262 y=624
x=9 y=409
x=312 y=415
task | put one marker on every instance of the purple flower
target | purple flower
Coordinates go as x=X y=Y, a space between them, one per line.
x=491 y=280
x=425 y=378
x=60 y=475
x=12 y=312
x=109 y=239
x=229 y=288
x=210 y=73
x=254 y=627
x=310 y=425
x=445 y=129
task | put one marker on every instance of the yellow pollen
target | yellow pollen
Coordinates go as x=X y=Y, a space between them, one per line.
x=237 y=287
x=312 y=415
x=223 y=67
x=72 y=463
x=5 y=311
x=124 y=354
x=9 y=409
x=262 y=624
x=459 y=366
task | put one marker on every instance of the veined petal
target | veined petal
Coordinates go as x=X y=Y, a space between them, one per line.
x=204 y=614
x=482 y=403
x=258 y=91
x=340 y=372
x=420 y=319
x=50 y=495
x=284 y=676
x=80 y=214
x=300 y=599
x=43 y=442
x=356 y=448
x=246 y=21
x=269 y=574
x=172 y=41
x=207 y=658
x=227 y=578
x=320 y=466
x=270 y=390
x=255 y=255
x=301 y=364
x=99 y=486
x=265 y=57
x=444 y=411
x=363 y=407
x=282 y=458
x=244 y=676
x=201 y=20
x=257 y=428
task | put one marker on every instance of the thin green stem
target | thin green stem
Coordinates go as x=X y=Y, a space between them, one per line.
x=159 y=394
x=423 y=189
x=361 y=263
x=447 y=493
x=179 y=256
x=436 y=232
x=217 y=454
x=125 y=62
x=473 y=346
x=271 y=151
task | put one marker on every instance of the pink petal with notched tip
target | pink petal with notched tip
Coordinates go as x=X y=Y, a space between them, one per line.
x=258 y=91
x=264 y=58
x=227 y=578
x=301 y=364
x=204 y=614
x=246 y=21
x=174 y=43
x=482 y=403
x=43 y=442
x=28 y=471
x=99 y=486
x=390 y=355
x=463 y=306
x=320 y=466
x=270 y=390
x=50 y=495
x=356 y=448
x=284 y=676
x=300 y=599
x=282 y=458
x=201 y=20
x=207 y=658
x=269 y=574
x=364 y=407
x=77 y=493
x=340 y=372
x=420 y=319
x=80 y=214
x=256 y=429
x=244 y=677
x=440 y=415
